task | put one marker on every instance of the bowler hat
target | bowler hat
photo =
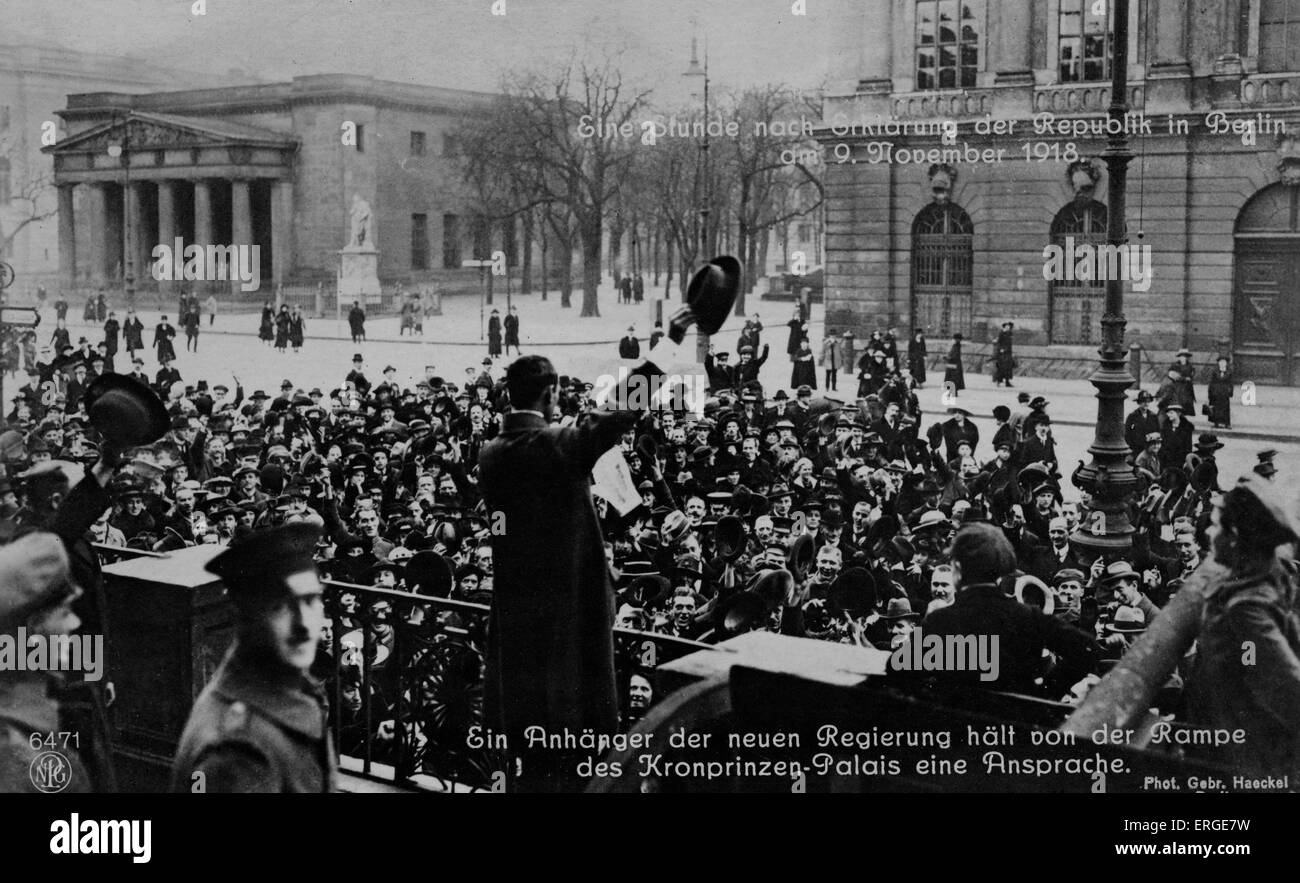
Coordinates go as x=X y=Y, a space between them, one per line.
x=124 y=410
x=709 y=297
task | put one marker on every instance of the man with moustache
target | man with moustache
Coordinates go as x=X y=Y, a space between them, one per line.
x=261 y=725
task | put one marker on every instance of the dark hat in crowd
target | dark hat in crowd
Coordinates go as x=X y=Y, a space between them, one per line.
x=1144 y=396
x=254 y=569
x=1208 y=442
x=1038 y=402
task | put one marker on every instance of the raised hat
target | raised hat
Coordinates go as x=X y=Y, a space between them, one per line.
x=709 y=297
x=1119 y=570
x=124 y=410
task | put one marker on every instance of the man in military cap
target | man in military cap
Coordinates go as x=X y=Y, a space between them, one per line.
x=261 y=725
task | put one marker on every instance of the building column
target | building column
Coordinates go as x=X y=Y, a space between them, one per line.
x=281 y=231
x=167 y=229
x=1013 y=52
x=241 y=225
x=203 y=213
x=98 y=199
x=67 y=237
x=134 y=233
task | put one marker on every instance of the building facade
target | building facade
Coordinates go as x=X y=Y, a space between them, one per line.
x=963 y=143
x=277 y=165
x=34 y=79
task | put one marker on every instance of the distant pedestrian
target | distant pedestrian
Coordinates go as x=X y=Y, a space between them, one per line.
x=297 y=329
x=61 y=308
x=163 y=335
x=266 y=330
x=626 y=287
x=798 y=331
x=494 y=334
x=191 y=322
x=211 y=305
x=512 y=330
x=61 y=339
x=282 y=328
x=638 y=288
x=1004 y=359
x=111 y=329
x=629 y=347
x=133 y=332
x=804 y=372
x=357 y=322
x=831 y=358
x=954 y=375
x=1221 y=383
x=916 y=353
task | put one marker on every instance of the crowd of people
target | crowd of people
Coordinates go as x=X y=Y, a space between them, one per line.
x=777 y=509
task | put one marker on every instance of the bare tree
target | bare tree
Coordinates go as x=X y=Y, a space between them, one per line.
x=550 y=134
x=29 y=201
x=772 y=170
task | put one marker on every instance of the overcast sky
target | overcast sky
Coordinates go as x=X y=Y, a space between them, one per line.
x=456 y=43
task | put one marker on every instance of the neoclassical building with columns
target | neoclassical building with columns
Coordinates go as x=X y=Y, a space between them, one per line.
x=275 y=165
x=1213 y=187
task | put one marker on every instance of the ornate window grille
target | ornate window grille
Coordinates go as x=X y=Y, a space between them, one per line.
x=941 y=270
x=1076 y=306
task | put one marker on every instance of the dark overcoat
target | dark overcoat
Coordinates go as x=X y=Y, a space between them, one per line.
x=251 y=732
x=550 y=640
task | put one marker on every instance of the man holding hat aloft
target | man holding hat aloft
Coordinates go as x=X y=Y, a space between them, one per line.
x=261 y=724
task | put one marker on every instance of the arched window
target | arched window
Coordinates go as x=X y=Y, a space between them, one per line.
x=1076 y=305
x=941 y=269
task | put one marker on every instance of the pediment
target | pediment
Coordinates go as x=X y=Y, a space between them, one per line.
x=140 y=131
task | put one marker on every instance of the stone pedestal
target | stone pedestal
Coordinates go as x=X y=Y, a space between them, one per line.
x=359 y=275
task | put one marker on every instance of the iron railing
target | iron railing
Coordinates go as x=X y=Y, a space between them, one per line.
x=405 y=677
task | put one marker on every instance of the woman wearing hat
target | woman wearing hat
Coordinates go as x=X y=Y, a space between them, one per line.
x=1004 y=359
x=297 y=328
x=494 y=334
x=954 y=375
x=1220 y=381
x=282 y=328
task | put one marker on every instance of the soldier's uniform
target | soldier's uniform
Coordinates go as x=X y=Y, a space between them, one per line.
x=262 y=723
x=248 y=732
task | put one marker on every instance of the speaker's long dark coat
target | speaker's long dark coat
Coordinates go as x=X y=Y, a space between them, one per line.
x=550 y=642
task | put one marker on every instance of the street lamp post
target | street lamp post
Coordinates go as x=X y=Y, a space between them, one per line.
x=1109 y=478
x=123 y=152
x=702 y=339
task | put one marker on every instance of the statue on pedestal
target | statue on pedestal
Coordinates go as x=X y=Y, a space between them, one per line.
x=362 y=224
